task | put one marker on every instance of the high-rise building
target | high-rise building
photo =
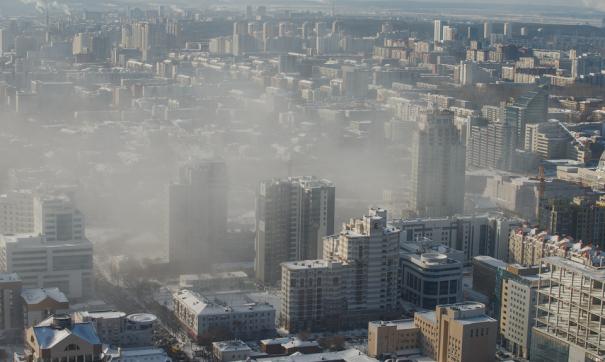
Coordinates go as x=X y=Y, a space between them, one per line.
x=532 y=107
x=11 y=311
x=508 y=30
x=438 y=166
x=197 y=219
x=16 y=212
x=517 y=308
x=585 y=64
x=582 y=217
x=491 y=144
x=487 y=30
x=355 y=81
x=437 y=31
x=56 y=254
x=354 y=282
x=292 y=218
x=458 y=332
x=569 y=314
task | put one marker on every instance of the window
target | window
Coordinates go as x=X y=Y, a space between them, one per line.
x=72 y=347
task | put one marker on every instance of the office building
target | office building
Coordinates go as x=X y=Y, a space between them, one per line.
x=11 y=310
x=517 y=308
x=430 y=279
x=197 y=220
x=41 y=263
x=352 y=284
x=459 y=332
x=486 y=279
x=438 y=166
x=569 y=308
x=57 y=219
x=59 y=338
x=235 y=313
x=292 y=217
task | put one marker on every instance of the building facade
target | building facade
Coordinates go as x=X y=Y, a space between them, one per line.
x=197 y=220
x=292 y=217
x=350 y=285
x=438 y=164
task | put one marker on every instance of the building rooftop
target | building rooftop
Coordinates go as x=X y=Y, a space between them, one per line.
x=216 y=305
x=139 y=354
x=234 y=345
x=48 y=334
x=9 y=277
x=348 y=355
x=310 y=264
x=38 y=295
x=107 y=314
x=399 y=324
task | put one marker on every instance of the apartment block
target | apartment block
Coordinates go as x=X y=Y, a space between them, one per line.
x=352 y=284
x=292 y=218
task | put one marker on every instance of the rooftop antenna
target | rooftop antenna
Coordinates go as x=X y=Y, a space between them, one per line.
x=333 y=8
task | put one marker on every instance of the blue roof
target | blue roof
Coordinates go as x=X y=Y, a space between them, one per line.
x=48 y=337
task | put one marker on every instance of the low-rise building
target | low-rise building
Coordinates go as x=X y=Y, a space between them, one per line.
x=39 y=304
x=58 y=338
x=229 y=351
x=459 y=332
x=202 y=315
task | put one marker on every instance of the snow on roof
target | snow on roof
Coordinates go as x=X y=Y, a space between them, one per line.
x=48 y=336
x=38 y=295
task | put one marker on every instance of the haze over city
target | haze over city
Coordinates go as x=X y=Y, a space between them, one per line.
x=302 y=181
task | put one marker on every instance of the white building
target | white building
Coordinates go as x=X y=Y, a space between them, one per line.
x=16 y=212
x=229 y=351
x=242 y=316
x=517 y=308
x=40 y=263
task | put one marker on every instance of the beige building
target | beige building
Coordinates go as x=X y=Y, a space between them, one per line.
x=388 y=337
x=355 y=282
x=460 y=332
x=527 y=246
x=517 y=308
